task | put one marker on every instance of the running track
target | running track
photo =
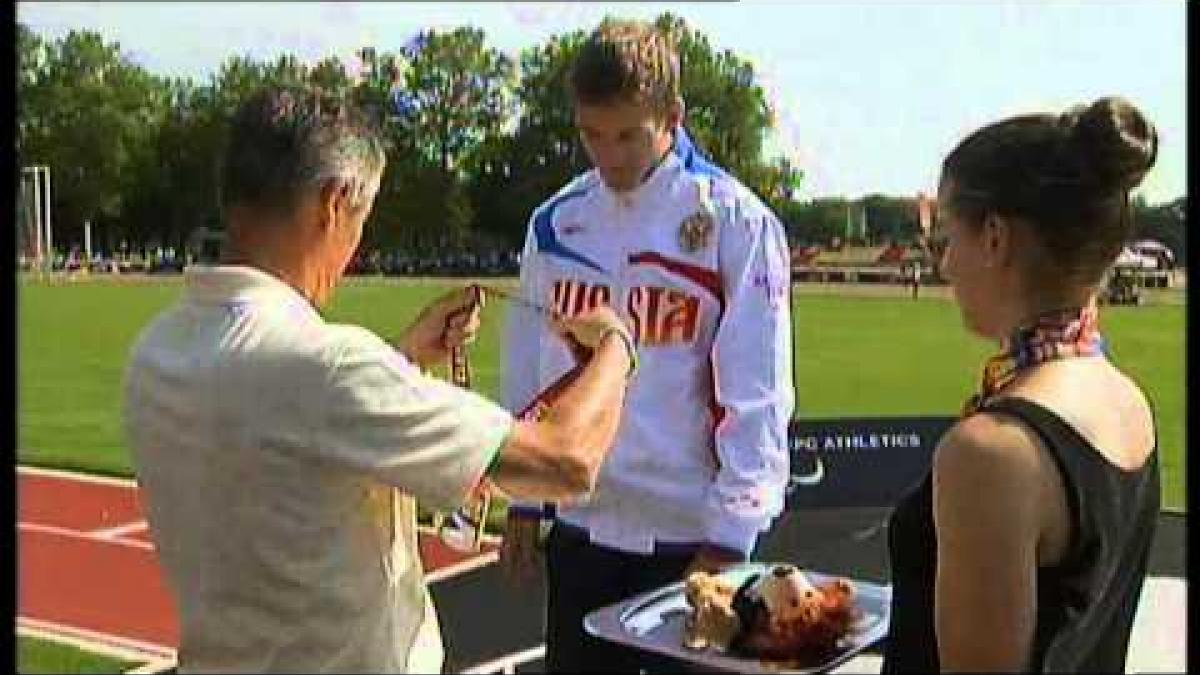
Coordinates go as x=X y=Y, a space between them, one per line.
x=87 y=572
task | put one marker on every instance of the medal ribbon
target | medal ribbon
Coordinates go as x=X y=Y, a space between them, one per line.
x=471 y=518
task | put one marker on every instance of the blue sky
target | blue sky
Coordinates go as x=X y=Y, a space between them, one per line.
x=868 y=95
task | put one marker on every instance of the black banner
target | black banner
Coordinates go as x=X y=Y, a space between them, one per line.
x=859 y=462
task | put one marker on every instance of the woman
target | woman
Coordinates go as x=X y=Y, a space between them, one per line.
x=1025 y=548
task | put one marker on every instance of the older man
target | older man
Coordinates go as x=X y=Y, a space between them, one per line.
x=279 y=455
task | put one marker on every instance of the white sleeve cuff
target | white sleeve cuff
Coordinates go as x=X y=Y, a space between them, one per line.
x=734 y=534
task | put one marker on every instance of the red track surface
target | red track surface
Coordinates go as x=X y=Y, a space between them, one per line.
x=86 y=564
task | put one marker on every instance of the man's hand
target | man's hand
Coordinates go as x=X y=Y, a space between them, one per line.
x=584 y=333
x=450 y=321
x=520 y=554
x=712 y=560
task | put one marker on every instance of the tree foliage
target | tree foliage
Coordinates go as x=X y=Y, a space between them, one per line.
x=475 y=140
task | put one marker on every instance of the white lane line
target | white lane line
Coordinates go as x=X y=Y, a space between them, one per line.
x=508 y=664
x=155 y=666
x=119 y=530
x=437 y=575
x=83 y=536
x=131 y=484
x=114 y=535
x=861 y=664
x=467 y=565
x=134 y=650
x=486 y=538
x=89 y=646
x=114 y=645
x=62 y=474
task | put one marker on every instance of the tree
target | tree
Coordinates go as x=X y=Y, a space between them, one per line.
x=87 y=112
x=1165 y=222
x=31 y=71
x=891 y=219
x=442 y=97
x=727 y=111
x=174 y=185
x=777 y=182
x=459 y=91
x=329 y=75
x=816 y=222
x=513 y=173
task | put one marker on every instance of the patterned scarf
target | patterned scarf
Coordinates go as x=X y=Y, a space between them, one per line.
x=1058 y=334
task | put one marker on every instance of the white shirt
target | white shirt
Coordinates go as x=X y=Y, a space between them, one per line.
x=279 y=457
x=700 y=268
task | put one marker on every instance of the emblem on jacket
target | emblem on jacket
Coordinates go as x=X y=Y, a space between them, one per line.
x=695 y=231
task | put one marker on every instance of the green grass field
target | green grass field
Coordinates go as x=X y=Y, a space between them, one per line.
x=43 y=656
x=856 y=356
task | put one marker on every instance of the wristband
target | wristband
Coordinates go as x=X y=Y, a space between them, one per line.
x=630 y=349
x=528 y=512
x=544 y=512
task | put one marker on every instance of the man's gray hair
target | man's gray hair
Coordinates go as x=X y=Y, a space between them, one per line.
x=283 y=142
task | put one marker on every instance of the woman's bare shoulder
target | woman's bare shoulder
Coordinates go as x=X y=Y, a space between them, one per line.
x=1104 y=405
x=987 y=460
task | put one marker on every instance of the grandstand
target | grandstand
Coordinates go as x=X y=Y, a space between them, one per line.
x=889 y=264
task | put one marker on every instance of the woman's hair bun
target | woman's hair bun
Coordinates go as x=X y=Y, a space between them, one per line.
x=1117 y=144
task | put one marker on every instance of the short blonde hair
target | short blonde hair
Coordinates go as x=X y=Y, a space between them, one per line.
x=625 y=60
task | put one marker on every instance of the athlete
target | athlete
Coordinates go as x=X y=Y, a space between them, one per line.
x=699 y=267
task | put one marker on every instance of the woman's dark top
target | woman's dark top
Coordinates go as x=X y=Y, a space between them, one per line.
x=1086 y=603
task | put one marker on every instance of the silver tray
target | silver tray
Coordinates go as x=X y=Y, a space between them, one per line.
x=654 y=621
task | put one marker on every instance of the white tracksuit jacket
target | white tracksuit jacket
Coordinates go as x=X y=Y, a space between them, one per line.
x=701 y=455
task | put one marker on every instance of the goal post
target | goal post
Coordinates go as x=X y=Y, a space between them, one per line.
x=35 y=233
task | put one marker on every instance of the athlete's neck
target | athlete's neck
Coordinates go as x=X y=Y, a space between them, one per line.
x=662 y=156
